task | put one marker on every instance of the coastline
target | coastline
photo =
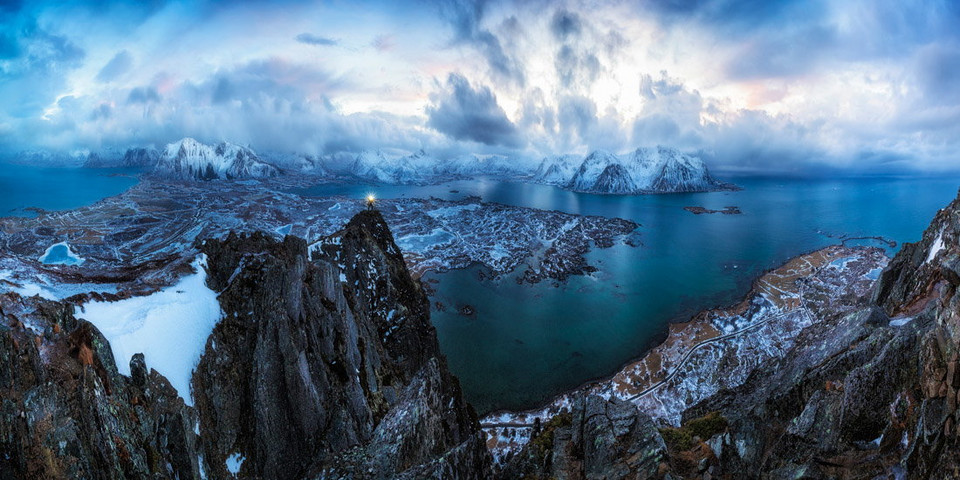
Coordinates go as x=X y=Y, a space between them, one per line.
x=773 y=307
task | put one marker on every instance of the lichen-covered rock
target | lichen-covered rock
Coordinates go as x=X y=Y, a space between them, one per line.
x=598 y=439
x=65 y=412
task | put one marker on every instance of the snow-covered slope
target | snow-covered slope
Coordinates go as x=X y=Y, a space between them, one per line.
x=375 y=166
x=586 y=176
x=557 y=170
x=645 y=170
x=421 y=167
x=191 y=159
x=296 y=162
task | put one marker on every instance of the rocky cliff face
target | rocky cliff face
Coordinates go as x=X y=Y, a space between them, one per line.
x=870 y=392
x=66 y=412
x=329 y=367
x=321 y=368
x=596 y=439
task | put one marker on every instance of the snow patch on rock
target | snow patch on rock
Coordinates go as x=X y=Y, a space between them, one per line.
x=170 y=327
x=935 y=248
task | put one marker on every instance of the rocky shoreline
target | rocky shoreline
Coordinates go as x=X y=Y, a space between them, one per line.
x=702 y=210
x=693 y=361
x=860 y=381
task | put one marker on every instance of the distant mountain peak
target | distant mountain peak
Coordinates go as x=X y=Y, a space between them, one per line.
x=645 y=170
x=190 y=159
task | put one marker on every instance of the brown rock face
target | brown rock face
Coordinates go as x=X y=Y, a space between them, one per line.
x=65 y=412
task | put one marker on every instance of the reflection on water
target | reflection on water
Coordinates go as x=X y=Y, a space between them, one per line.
x=526 y=343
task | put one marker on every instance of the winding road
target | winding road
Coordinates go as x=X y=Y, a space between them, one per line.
x=674 y=372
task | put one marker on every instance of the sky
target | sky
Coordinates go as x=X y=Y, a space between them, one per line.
x=754 y=86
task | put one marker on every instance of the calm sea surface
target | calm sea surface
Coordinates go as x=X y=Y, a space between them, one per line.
x=527 y=343
x=58 y=188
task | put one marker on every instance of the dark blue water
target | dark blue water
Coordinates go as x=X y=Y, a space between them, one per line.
x=58 y=188
x=527 y=343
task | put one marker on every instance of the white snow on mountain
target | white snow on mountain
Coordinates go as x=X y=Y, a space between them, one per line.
x=374 y=165
x=645 y=170
x=190 y=159
x=297 y=162
x=557 y=170
x=170 y=327
x=421 y=167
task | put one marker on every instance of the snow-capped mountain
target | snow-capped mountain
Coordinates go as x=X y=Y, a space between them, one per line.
x=492 y=166
x=645 y=170
x=374 y=165
x=557 y=170
x=141 y=157
x=190 y=159
x=421 y=167
x=296 y=162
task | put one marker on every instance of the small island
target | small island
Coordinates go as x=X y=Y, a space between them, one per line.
x=726 y=210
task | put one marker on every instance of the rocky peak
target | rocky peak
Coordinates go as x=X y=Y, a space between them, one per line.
x=328 y=365
x=615 y=179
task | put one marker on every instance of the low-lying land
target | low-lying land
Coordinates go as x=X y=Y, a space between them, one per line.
x=731 y=210
x=142 y=239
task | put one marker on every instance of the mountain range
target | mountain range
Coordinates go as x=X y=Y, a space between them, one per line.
x=644 y=170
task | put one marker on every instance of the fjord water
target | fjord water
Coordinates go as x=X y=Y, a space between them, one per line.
x=58 y=188
x=527 y=343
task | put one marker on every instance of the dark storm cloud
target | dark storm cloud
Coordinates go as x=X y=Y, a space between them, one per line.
x=738 y=16
x=671 y=113
x=463 y=112
x=316 y=40
x=565 y=24
x=102 y=111
x=272 y=78
x=465 y=16
x=118 y=65
x=664 y=86
x=577 y=115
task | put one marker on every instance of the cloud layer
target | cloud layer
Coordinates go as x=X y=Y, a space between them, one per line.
x=770 y=87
